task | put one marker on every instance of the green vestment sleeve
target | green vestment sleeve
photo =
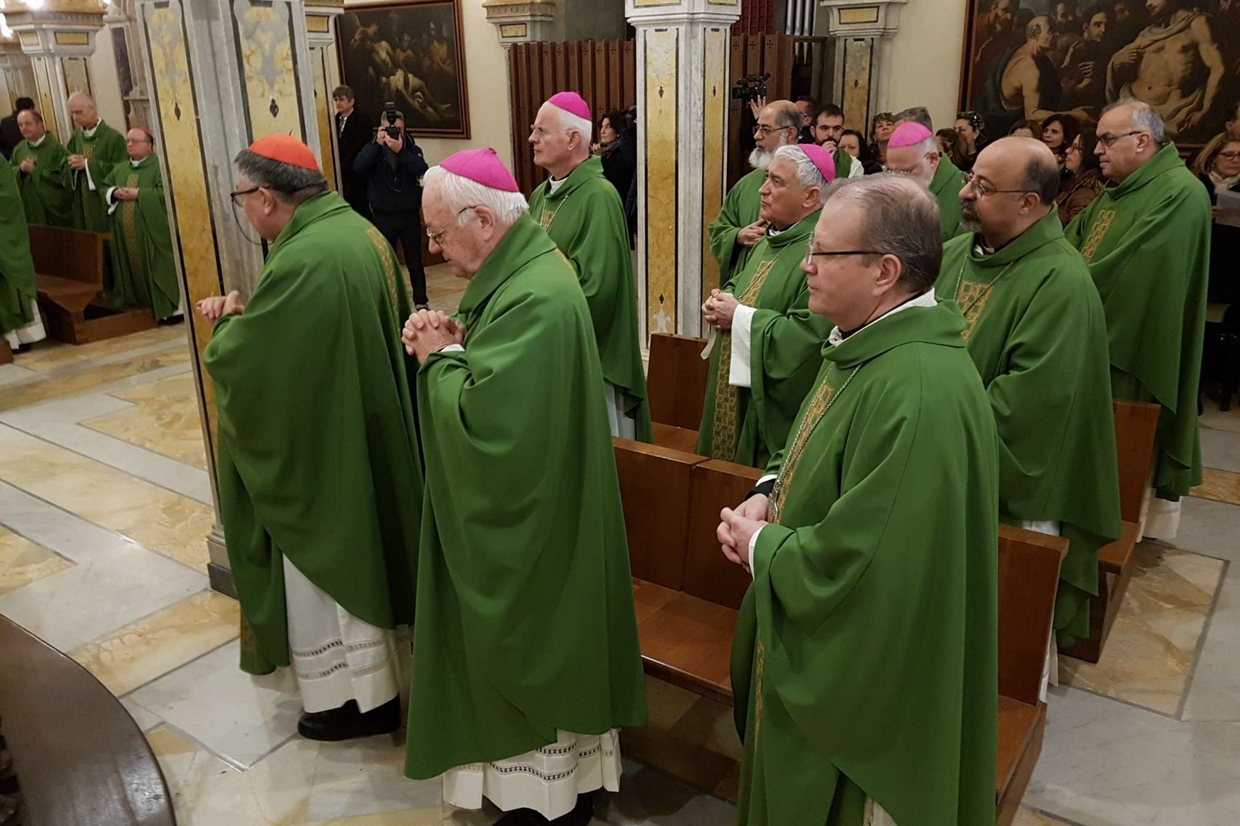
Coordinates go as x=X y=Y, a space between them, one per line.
x=102 y=152
x=18 y=283
x=46 y=192
x=740 y=209
x=946 y=189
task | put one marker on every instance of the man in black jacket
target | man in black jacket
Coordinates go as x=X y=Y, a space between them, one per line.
x=393 y=166
x=353 y=131
x=10 y=135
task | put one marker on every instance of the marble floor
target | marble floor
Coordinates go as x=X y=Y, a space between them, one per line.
x=104 y=509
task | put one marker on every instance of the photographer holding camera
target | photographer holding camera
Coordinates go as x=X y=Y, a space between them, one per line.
x=393 y=167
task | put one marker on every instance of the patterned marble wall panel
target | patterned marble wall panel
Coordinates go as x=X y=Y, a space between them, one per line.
x=264 y=34
x=662 y=56
x=715 y=95
x=77 y=74
x=47 y=94
x=323 y=107
x=183 y=157
x=858 y=61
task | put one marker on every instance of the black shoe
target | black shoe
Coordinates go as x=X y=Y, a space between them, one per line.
x=579 y=816
x=347 y=723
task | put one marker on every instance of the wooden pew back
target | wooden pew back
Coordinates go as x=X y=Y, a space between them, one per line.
x=1135 y=426
x=716 y=485
x=1028 y=581
x=655 y=488
x=72 y=254
x=676 y=380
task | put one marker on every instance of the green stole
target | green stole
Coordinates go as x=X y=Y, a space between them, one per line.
x=748 y=425
x=144 y=270
x=320 y=465
x=45 y=191
x=18 y=284
x=946 y=190
x=103 y=151
x=864 y=662
x=525 y=618
x=1038 y=336
x=585 y=218
x=1147 y=243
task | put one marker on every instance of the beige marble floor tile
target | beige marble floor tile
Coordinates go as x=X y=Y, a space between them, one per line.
x=136 y=654
x=1219 y=485
x=1214 y=419
x=22 y=562
x=712 y=726
x=206 y=791
x=52 y=355
x=1027 y=817
x=164 y=419
x=158 y=519
x=1153 y=643
x=56 y=387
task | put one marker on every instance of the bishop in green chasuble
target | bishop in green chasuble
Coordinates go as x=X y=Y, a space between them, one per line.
x=1146 y=240
x=525 y=652
x=1037 y=334
x=864 y=665
x=144 y=270
x=94 y=150
x=581 y=211
x=766 y=341
x=319 y=471
x=914 y=151
x=41 y=166
x=19 y=310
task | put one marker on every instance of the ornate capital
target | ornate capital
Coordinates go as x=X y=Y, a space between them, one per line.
x=521 y=21
x=55 y=27
x=675 y=12
x=858 y=18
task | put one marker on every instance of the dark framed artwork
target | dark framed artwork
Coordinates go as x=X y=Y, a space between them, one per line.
x=1024 y=59
x=411 y=53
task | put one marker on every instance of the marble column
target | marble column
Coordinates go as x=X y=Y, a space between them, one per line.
x=223 y=74
x=683 y=49
x=16 y=71
x=59 y=38
x=325 y=75
x=865 y=42
x=131 y=61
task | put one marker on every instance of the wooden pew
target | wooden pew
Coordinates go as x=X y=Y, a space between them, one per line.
x=686 y=630
x=676 y=381
x=70 y=266
x=6 y=352
x=1135 y=423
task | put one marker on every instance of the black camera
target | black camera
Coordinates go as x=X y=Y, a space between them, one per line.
x=389 y=117
x=750 y=87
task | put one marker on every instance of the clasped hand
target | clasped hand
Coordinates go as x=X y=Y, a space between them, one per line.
x=719 y=309
x=736 y=530
x=77 y=162
x=429 y=331
x=125 y=193
x=216 y=307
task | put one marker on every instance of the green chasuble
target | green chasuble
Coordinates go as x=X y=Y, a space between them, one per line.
x=585 y=218
x=318 y=452
x=1038 y=336
x=103 y=150
x=946 y=190
x=45 y=191
x=143 y=264
x=748 y=425
x=525 y=619
x=865 y=657
x=1147 y=243
x=18 y=285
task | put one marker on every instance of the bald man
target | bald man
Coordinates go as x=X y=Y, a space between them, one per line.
x=41 y=166
x=1037 y=334
x=94 y=150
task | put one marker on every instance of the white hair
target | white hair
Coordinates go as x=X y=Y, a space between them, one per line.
x=82 y=96
x=1142 y=117
x=808 y=174
x=930 y=146
x=572 y=123
x=461 y=193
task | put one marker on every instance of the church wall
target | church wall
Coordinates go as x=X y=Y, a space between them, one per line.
x=925 y=67
x=107 y=88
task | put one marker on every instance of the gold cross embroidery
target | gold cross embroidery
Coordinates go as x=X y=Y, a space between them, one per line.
x=817 y=408
x=1099 y=231
x=974 y=297
x=129 y=232
x=727 y=400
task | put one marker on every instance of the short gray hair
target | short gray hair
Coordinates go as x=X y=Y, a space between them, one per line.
x=900 y=218
x=573 y=123
x=460 y=193
x=916 y=114
x=1142 y=117
x=808 y=175
x=82 y=96
x=291 y=184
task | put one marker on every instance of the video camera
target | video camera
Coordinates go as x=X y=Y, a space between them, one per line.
x=750 y=87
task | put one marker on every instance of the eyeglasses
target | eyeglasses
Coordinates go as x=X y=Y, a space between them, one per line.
x=235 y=195
x=437 y=237
x=982 y=191
x=759 y=129
x=1109 y=140
x=811 y=253
x=1073 y=148
x=1228 y=156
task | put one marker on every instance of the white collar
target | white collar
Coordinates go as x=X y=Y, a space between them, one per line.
x=926 y=299
x=38 y=143
x=90 y=133
x=554 y=184
x=135 y=164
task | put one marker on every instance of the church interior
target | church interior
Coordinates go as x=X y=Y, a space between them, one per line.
x=120 y=630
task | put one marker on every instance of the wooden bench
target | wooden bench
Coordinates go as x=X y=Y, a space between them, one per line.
x=687 y=596
x=6 y=352
x=79 y=757
x=70 y=266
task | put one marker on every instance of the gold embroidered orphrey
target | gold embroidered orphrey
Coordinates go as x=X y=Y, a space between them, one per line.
x=390 y=270
x=129 y=232
x=1097 y=233
x=547 y=217
x=759 y=664
x=727 y=399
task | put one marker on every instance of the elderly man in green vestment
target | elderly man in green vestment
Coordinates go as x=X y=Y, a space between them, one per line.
x=766 y=341
x=94 y=149
x=319 y=472
x=20 y=322
x=1038 y=336
x=913 y=151
x=144 y=265
x=1146 y=240
x=864 y=664
x=525 y=650
x=582 y=213
x=41 y=166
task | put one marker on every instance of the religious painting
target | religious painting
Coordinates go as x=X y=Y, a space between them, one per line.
x=1027 y=59
x=410 y=54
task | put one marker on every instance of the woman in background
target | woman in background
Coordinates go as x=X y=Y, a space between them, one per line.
x=969 y=127
x=951 y=145
x=1218 y=168
x=1058 y=133
x=880 y=132
x=1084 y=180
x=1027 y=129
x=853 y=142
x=619 y=165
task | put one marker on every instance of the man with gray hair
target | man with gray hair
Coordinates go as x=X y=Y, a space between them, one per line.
x=1146 y=240
x=582 y=213
x=319 y=472
x=762 y=362
x=913 y=151
x=872 y=541
x=94 y=151
x=525 y=650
